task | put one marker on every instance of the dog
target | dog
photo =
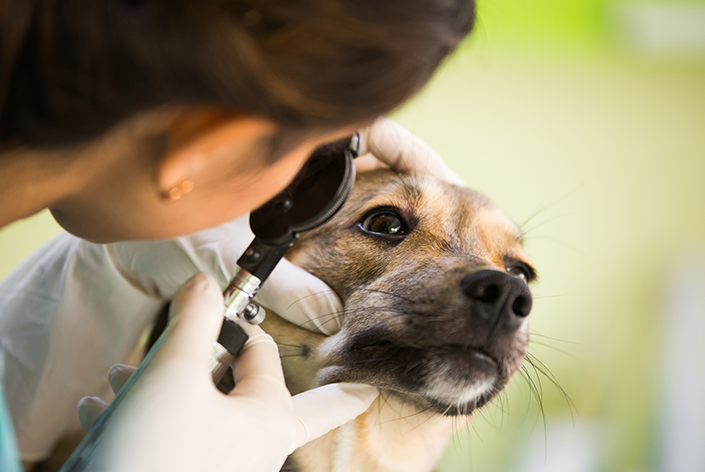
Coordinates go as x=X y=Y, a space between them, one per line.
x=434 y=283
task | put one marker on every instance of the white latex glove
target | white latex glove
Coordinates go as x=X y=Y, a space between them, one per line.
x=174 y=419
x=398 y=148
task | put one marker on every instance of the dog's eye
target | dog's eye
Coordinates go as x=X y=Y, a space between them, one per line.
x=384 y=222
x=520 y=272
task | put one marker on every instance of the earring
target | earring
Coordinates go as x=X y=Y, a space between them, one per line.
x=179 y=191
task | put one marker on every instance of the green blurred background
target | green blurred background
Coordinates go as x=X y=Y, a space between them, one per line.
x=585 y=121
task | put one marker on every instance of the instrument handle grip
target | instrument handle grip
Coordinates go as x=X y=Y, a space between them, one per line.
x=230 y=342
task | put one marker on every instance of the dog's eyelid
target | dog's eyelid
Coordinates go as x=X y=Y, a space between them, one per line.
x=393 y=215
x=392 y=207
x=403 y=213
x=511 y=263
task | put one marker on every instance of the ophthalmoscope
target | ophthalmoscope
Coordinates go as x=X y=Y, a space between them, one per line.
x=312 y=198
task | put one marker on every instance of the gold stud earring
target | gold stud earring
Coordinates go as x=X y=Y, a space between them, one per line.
x=179 y=191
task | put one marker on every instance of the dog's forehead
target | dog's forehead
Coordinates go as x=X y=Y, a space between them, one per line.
x=447 y=213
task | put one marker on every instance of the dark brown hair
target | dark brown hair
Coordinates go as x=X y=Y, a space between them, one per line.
x=71 y=69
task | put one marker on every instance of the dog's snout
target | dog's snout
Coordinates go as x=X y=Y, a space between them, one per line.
x=496 y=294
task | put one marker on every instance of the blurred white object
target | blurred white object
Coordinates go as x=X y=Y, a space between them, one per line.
x=662 y=29
x=682 y=432
x=568 y=446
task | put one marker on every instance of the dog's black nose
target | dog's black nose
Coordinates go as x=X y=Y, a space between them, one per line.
x=496 y=294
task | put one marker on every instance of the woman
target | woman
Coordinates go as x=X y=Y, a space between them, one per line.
x=150 y=119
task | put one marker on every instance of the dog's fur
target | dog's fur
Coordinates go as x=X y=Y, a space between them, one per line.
x=416 y=322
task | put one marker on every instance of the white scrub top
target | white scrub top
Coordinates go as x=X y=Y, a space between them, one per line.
x=59 y=340
x=73 y=309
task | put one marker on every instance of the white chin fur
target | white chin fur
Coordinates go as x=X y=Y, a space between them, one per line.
x=444 y=386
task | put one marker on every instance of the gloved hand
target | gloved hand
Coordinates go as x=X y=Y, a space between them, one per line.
x=387 y=142
x=174 y=419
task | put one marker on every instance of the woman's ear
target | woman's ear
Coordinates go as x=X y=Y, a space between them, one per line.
x=201 y=144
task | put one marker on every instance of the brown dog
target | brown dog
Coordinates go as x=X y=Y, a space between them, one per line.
x=434 y=283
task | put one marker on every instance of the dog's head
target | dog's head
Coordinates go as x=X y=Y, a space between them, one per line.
x=434 y=283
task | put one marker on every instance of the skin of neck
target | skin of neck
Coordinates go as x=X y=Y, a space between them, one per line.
x=32 y=180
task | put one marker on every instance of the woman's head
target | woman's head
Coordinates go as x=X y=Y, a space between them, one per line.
x=73 y=71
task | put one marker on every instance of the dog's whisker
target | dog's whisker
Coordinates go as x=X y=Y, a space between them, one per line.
x=527 y=232
x=383 y=292
x=543 y=369
x=416 y=413
x=524 y=372
x=291 y=345
x=554 y=348
x=534 y=333
x=428 y=419
x=291 y=355
x=545 y=297
x=386 y=403
x=583 y=253
x=542 y=208
x=315 y=294
x=412 y=367
x=539 y=401
x=332 y=316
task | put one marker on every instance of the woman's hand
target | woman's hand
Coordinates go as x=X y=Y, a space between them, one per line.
x=386 y=143
x=174 y=418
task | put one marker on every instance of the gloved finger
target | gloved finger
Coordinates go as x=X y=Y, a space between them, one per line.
x=369 y=162
x=325 y=408
x=196 y=315
x=89 y=410
x=118 y=375
x=301 y=298
x=401 y=150
x=257 y=370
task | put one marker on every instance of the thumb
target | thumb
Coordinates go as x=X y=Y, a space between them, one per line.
x=196 y=315
x=325 y=408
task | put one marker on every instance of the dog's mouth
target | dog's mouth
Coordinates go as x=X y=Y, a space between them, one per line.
x=470 y=360
x=451 y=379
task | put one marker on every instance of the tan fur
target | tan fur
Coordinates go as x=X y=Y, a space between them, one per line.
x=457 y=231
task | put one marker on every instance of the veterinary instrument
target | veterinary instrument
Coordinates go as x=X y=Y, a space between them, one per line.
x=314 y=196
